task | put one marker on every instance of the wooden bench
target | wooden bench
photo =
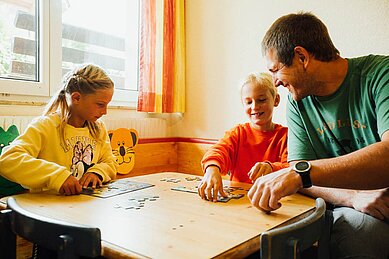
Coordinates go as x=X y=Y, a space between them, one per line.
x=169 y=154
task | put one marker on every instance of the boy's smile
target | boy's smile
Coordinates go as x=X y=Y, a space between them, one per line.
x=258 y=104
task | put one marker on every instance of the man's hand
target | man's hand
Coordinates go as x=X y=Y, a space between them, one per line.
x=269 y=189
x=211 y=184
x=258 y=170
x=71 y=186
x=373 y=202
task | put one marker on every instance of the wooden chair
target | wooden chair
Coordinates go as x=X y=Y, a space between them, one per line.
x=291 y=240
x=64 y=240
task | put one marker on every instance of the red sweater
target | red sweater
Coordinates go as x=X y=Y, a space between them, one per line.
x=242 y=147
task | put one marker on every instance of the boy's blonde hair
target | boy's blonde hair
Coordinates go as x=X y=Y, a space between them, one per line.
x=263 y=79
x=86 y=79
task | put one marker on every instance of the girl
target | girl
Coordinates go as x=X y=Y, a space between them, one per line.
x=239 y=151
x=67 y=148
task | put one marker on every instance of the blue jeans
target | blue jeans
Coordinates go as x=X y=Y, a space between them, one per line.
x=358 y=235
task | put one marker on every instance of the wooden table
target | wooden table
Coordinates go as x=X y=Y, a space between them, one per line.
x=176 y=225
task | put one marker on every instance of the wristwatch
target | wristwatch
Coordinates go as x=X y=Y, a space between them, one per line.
x=303 y=168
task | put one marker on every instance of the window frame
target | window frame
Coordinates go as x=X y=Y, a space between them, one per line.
x=40 y=88
x=50 y=65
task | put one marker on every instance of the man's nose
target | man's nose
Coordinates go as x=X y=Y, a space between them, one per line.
x=273 y=75
x=277 y=82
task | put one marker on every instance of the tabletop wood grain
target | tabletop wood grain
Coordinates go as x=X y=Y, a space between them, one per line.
x=175 y=225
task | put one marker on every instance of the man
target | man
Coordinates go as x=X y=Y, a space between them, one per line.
x=338 y=119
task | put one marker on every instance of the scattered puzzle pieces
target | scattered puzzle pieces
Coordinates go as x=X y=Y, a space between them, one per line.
x=136 y=203
x=171 y=180
x=177 y=180
x=185 y=189
x=115 y=188
x=193 y=178
x=231 y=188
x=219 y=198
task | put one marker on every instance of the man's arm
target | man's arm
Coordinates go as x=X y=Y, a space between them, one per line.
x=362 y=169
x=366 y=168
x=372 y=202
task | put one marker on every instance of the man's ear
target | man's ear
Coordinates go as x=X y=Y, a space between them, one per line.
x=302 y=55
x=76 y=97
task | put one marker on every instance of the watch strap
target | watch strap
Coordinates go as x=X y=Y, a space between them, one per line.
x=306 y=179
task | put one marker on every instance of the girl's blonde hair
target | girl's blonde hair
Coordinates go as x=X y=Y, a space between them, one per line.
x=263 y=79
x=86 y=79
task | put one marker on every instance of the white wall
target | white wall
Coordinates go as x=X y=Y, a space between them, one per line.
x=223 y=46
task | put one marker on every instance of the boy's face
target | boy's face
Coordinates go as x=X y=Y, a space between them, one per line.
x=258 y=105
x=89 y=107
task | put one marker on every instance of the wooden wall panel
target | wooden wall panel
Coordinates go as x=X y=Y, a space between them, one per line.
x=168 y=156
x=154 y=158
x=189 y=157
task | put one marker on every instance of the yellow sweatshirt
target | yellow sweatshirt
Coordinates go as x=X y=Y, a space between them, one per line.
x=37 y=161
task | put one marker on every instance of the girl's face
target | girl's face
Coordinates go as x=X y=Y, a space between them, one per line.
x=89 y=107
x=258 y=105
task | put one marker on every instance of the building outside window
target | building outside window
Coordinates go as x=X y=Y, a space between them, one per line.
x=42 y=40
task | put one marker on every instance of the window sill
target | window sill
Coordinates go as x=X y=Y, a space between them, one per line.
x=6 y=99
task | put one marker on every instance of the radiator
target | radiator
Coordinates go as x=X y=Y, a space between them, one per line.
x=146 y=127
x=21 y=122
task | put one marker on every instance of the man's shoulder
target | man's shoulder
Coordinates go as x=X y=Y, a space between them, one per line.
x=370 y=57
x=370 y=61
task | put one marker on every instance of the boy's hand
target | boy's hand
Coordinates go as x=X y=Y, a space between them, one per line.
x=71 y=186
x=211 y=184
x=90 y=178
x=258 y=170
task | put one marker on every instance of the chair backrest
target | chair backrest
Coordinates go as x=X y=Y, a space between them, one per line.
x=66 y=239
x=290 y=240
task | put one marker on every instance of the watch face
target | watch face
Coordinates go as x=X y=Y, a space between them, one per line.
x=302 y=166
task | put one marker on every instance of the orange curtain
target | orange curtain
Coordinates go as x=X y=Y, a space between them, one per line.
x=162 y=56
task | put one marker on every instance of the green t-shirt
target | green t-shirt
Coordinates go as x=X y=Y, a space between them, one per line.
x=357 y=113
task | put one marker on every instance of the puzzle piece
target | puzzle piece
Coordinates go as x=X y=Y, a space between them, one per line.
x=219 y=198
x=115 y=188
x=185 y=189
x=193 y=178
x=223 y=199
x=136 y=203
x=171 y=180
x=235 y=195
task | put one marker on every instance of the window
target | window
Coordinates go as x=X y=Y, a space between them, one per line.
x=24 y=51
x=101 y=32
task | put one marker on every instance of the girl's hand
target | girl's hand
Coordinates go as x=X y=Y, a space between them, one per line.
x=211 y=185
x=258 y=170
x=90 y=178
x=71 y=186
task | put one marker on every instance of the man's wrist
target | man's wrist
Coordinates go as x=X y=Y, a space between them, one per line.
x=303 y=168
x=296 y=178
